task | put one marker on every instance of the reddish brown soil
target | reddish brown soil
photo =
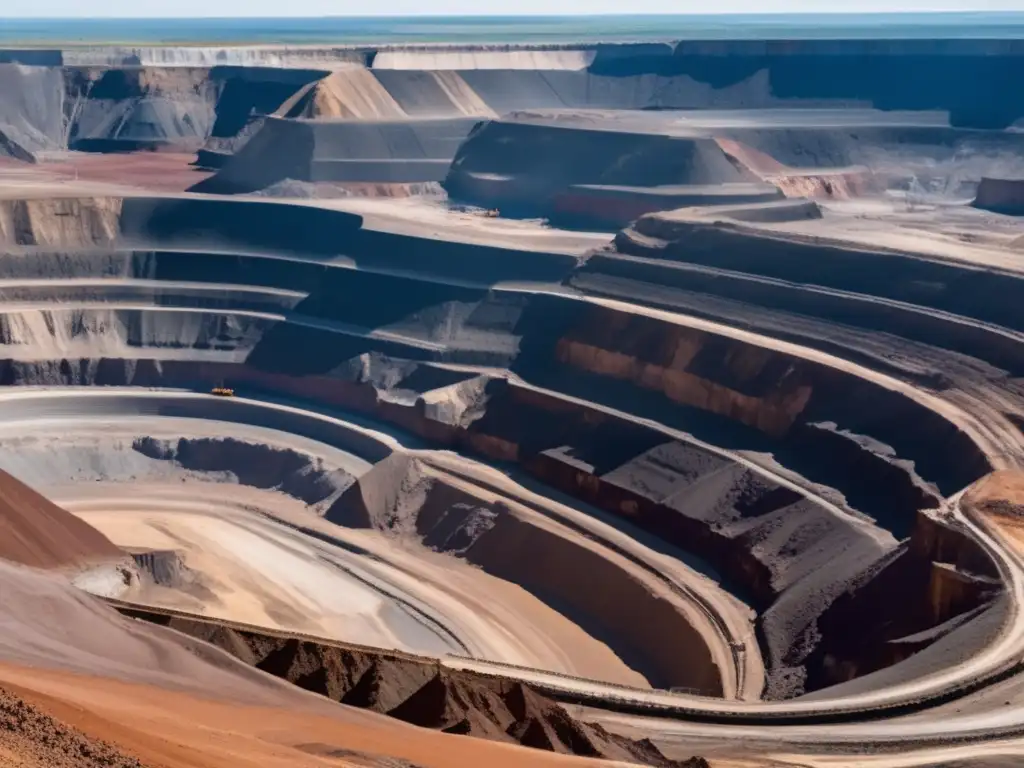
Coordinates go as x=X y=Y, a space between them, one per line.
x=999 y=492
x=169 y=729
x=1000 y=498
x=29 y=738
x=58 y=713
x=164 y=171
x=36 y=532
x=420 y=692
x=158 y=171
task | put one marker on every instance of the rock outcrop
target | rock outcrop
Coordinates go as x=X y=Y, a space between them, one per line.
x=1001 y=196
x=421 y=692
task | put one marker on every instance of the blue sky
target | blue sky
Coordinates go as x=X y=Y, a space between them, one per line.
x=187 y=8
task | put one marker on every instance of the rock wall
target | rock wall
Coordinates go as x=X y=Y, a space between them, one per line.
x=60 y=222
x=792 y=303
x=669 y=360
x=985 y=295
x=935 y=582
x=768 y=542
x=612 y=207
x=941 y=539
x=953 y=592
x=139 y=108
x=604 y=354
x=1001 y=196
x=398 y=150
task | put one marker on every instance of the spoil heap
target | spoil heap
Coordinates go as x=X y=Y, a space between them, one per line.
x=422 y=693
x=36 y=532
x=30 y=738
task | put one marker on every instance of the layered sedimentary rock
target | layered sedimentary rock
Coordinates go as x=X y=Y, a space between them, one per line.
x=797 y=477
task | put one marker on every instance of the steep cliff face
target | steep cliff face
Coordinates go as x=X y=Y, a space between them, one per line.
x=708 y=383
x=144 y=108
x=984 y=295
x=795 y=309
x=752 y=385
x=247 y=95
x=907 y=74
x=830 y=186
x=31 y=109
x=1001 y=196
x=953 y=592
x=116 y=108
x=60 y=222
x=397 y=150
x=940 y=539
x=934 y=583
x=779 y=551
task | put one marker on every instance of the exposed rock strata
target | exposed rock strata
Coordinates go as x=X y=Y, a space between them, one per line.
x=627 y=613
x=416 y=691
x=628 y=470
x=932 y=584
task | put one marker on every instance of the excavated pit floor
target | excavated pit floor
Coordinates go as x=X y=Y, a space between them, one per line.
x=239 y=504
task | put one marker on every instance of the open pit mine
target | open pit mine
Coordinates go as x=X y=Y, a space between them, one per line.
x=423 y=407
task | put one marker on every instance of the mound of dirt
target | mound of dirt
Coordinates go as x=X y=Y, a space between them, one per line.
x=420 y=692
x=36 y=532
x=31 y=739
x=401 y=497
x=524 y=167
x=388 y=499
x=437 y=93
x=342 y=150
x=119 y=109
x=347 y=93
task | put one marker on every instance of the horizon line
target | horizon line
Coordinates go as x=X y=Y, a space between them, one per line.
x=707 y=14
